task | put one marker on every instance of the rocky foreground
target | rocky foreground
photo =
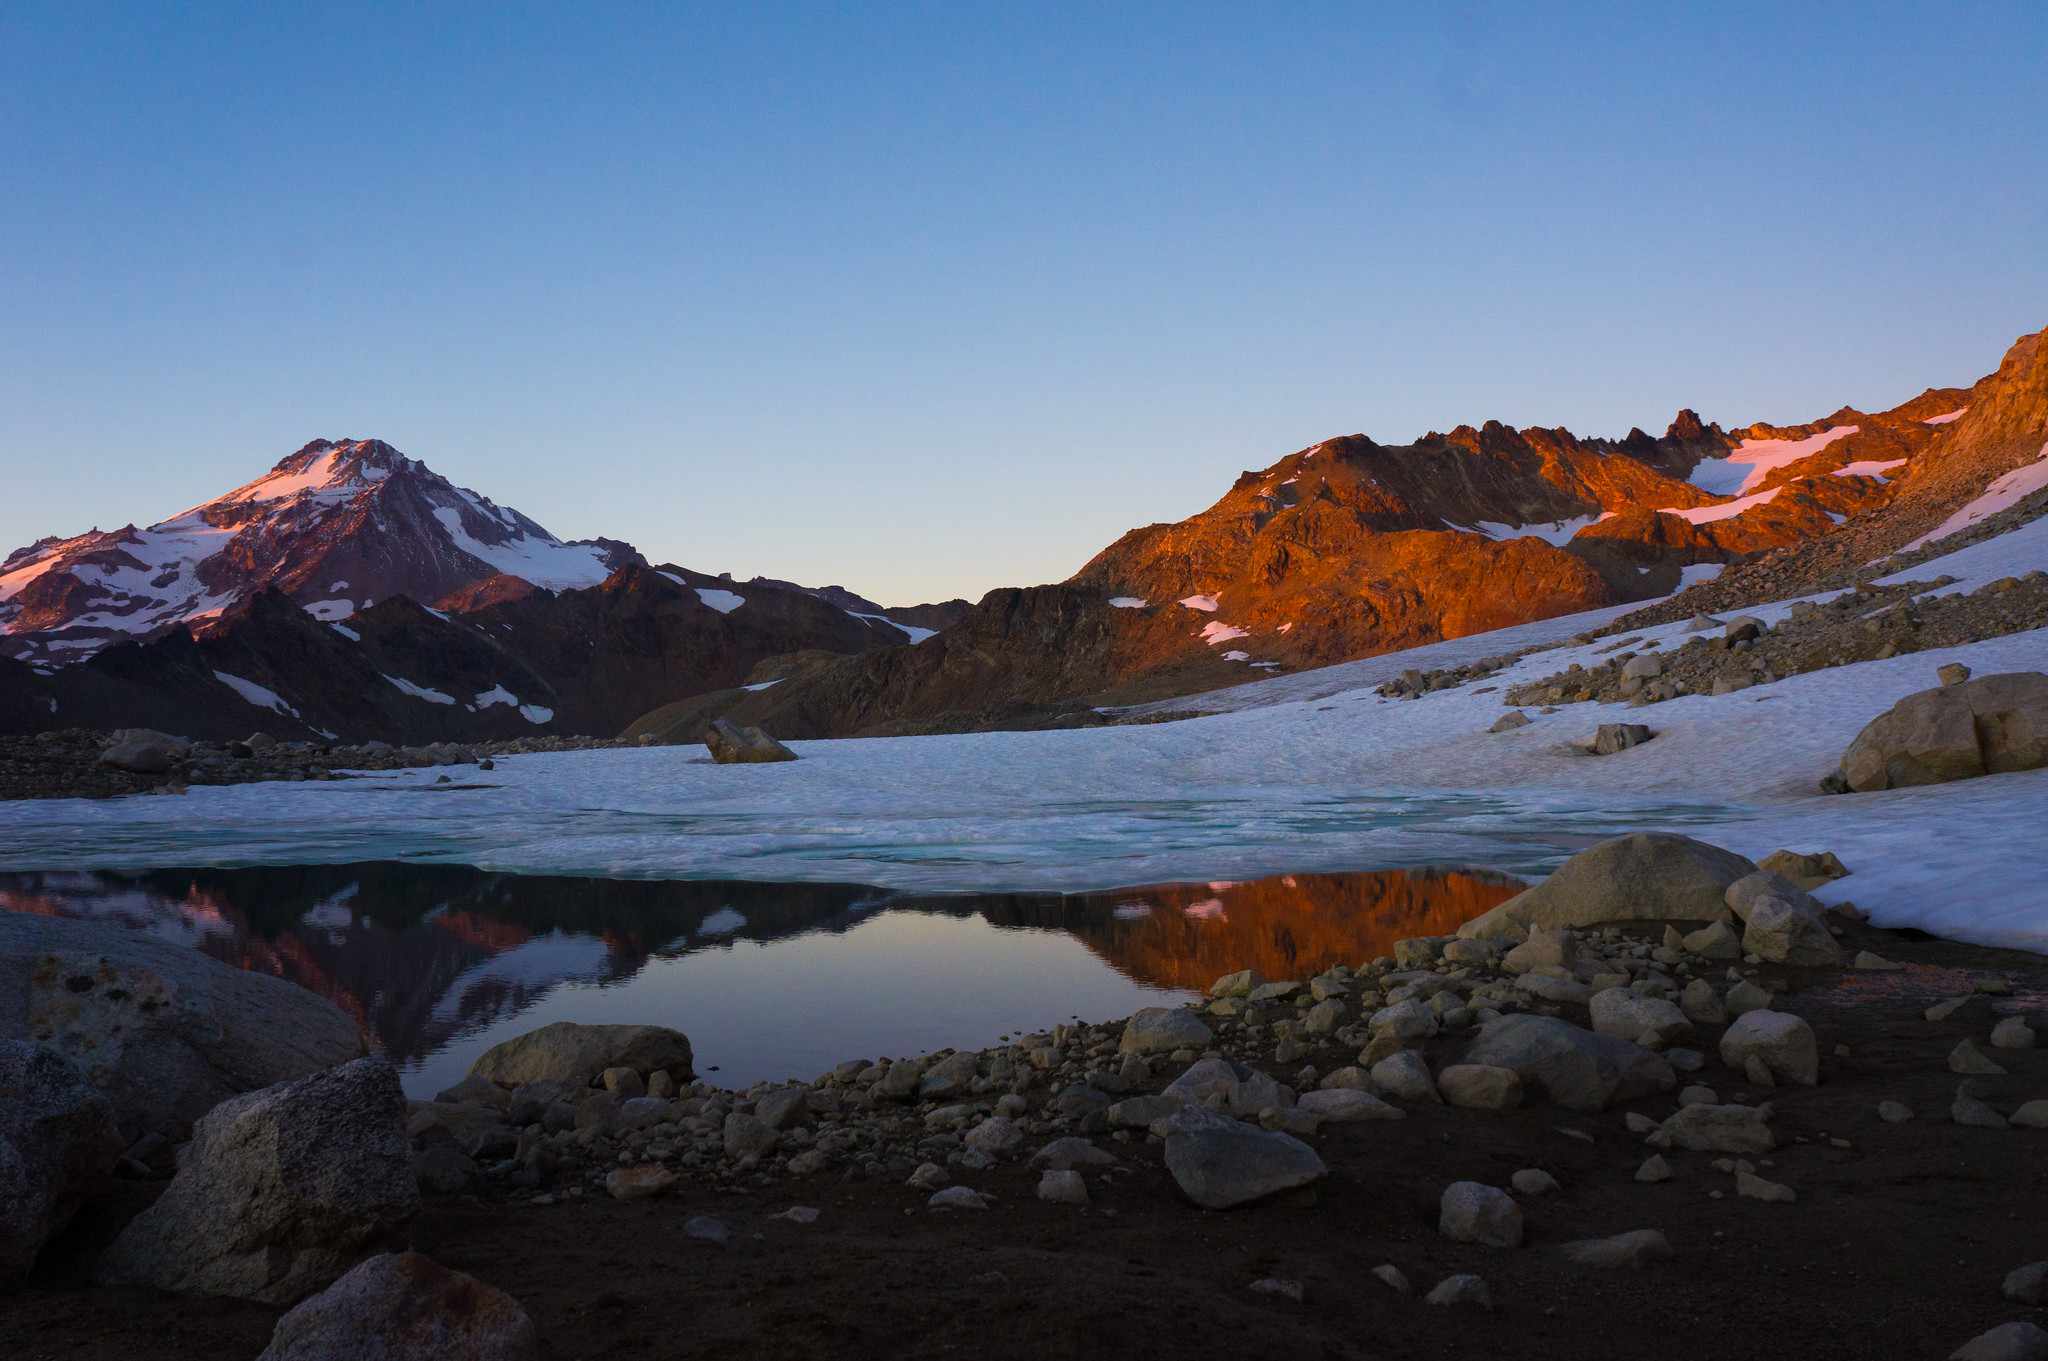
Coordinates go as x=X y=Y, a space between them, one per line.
x=1663 y=1100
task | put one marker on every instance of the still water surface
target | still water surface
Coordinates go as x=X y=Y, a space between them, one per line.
x=770 y=981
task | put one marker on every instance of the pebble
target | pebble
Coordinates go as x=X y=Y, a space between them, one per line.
x=1533 y=1181
x=1393 y=1278
x=705 y=1229
x=1894 y=1112
x=1654 y=1169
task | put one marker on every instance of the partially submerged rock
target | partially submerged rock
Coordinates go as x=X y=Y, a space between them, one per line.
x=732 y=744
x=1646 y=876
x=577 y=1055
x=279 y=1192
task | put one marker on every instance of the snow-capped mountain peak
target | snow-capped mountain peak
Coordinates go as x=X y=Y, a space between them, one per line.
x=336 y=525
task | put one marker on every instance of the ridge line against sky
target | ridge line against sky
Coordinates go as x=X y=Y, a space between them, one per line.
x=944 y=300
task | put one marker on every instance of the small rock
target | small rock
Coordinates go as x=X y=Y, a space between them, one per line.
x=1637 y=1248
x=1272 y=1285
x=1654 y=1169
x=958 y=1198
x=1393 y=1278
x=1462 y=1289
x=1533 y=1181
x=2012 y=1033
x=1894 y=1112
x=2028 y=1284
x=2016 y=1341
x=1062 y=1188
x=1473 y=1212
x=1752 y=1187
x=1966 y=1058
x=639 y=1183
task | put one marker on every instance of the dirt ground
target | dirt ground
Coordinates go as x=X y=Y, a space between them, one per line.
x=1896 y=1247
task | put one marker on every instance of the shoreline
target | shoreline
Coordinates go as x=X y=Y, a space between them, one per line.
x=734 y=1196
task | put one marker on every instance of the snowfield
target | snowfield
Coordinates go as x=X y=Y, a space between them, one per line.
x=1307 y=772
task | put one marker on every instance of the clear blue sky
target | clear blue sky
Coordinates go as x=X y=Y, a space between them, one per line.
x=925 y=299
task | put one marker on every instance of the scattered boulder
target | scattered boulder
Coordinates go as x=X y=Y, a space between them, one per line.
x=1750 y=1186
x=1509 y=721
x=2027 y=1284
x=1651 y=1022
x=1161 y=1030
x=2012 y=1033
x=1473 y=1212
x=1218 y=1162
x=140 y=751
x=163 y=1031
x=58 y=1145
x=1574 y=1067
x=1646 y=876
x=1953 y=732
x=279 y=1192
x=576 y=1055
x=1783 y=1042
x=1968 y=1059
x=1717 y=1129
x=1610 y=738
x=1809 y=870
x=1406 y=1076
x=732 y=744
x=402 y=1306
x=1783 y=932
x=1479 y=1087
x=1062 y=1187
x=1344 y=1105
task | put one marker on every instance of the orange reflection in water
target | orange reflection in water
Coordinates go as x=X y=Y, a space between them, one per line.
x=1290 y=927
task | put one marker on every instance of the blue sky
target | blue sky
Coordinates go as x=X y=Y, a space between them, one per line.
x=925 y=299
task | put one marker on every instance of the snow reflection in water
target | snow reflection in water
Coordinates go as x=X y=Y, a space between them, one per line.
x=439 y=962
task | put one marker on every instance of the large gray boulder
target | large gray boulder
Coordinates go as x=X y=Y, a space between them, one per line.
x=1574 y=1067
x=402 y=1306
x=577 y=1055
x=1219 y=1162
x=1953 y=732
x=279 y=1192
x=1646 y=876
x=165 y=1032
x=57 y=1146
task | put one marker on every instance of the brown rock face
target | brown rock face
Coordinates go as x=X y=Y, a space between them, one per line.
x=1953 y=732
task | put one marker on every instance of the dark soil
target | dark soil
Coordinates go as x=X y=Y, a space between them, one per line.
x=1896 y=1247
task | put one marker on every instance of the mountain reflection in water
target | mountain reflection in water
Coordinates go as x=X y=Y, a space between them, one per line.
x=438 y=962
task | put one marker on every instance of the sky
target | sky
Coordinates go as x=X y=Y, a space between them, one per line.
x=928 y=299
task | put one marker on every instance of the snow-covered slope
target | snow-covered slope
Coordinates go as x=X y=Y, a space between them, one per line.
x=337 y=526
x=1309 y=780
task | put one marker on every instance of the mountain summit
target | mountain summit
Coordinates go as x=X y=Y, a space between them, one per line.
x=336 y=526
